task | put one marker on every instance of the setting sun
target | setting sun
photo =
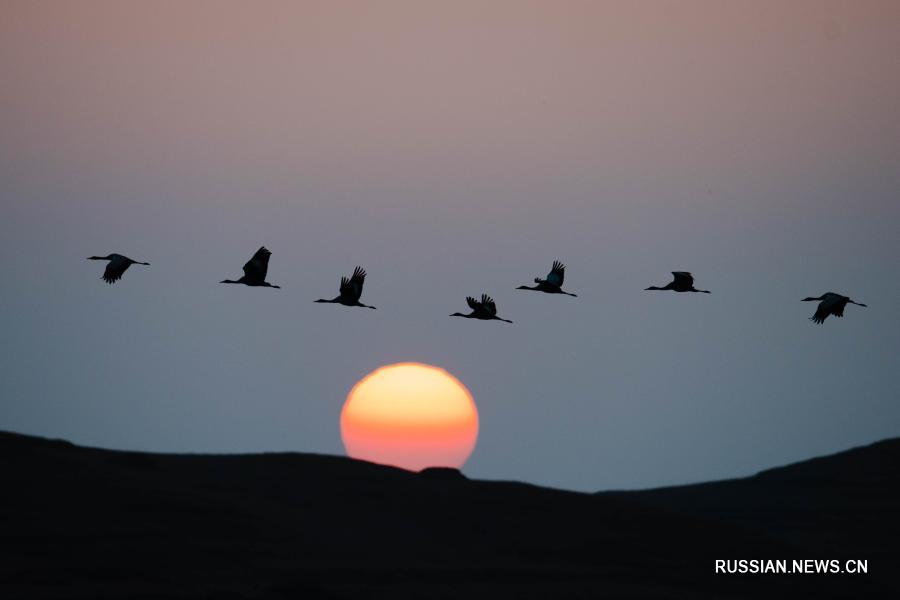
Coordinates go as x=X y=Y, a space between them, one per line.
x=410 y=415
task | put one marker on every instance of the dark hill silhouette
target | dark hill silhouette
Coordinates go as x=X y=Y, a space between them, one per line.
x=87 y=523
x=844 y=504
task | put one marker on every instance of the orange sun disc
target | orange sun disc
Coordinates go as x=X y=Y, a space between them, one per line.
x=410 y=415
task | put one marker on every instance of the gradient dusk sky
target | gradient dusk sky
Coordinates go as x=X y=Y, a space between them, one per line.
x=455 y=148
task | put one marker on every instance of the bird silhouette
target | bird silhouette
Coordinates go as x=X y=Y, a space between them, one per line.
x=351 y=290
x=117 y=266
x=486 y=310
x=255 y=270
x=683 y=282
x=553 y=283
x=830 y=304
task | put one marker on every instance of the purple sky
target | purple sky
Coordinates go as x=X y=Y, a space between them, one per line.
x=451 y=149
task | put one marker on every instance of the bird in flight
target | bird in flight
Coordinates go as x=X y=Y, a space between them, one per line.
x=830 y=304
x=117 y=266
x=553 y=283
x=255 y=270
x=486 y=310
x=683 y=282
x=351 y=290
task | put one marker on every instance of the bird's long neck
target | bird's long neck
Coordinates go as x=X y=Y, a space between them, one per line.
x=229 y=281
x=525 y=287
x=653 y=287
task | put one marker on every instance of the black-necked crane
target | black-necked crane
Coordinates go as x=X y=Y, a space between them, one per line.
x=486 y=310
x=682 y=282
x=255 y=270
x=830 y=304
x=351 y=290
x=117 y=266
x=553 y=283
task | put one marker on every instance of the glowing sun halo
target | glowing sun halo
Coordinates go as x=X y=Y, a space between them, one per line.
x=410 y=415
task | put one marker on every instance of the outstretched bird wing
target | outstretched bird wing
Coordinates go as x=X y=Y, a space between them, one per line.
x=258 y=266
x=473 y=303
x=357 y=281
x=822 y=312
x=346 y=292
x=116 y=267
x=683 y=276
x=557 y=274
x=352 y=288
x=490 y=307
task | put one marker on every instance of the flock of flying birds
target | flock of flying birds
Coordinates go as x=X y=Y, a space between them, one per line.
x=257 y=268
